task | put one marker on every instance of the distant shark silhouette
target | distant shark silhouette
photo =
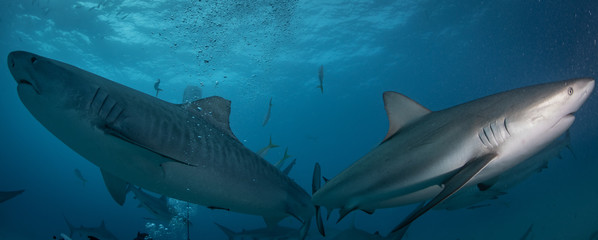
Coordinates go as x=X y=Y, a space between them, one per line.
x=267 y=117
x=431 y=155
x=321 y=78
x=268 y=233
x=88 y=232
x=184 y=151
x=156 y=206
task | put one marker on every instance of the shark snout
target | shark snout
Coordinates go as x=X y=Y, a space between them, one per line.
x=21 y=65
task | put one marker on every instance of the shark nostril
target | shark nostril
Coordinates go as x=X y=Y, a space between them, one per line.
x=33 y=59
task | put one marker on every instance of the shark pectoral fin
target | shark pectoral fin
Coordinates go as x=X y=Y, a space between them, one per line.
x=117 y=187
x=401 y=111
x=398 y=235
x=452 y=185
x=343 y=212
x=215 y=110
x=118 y=134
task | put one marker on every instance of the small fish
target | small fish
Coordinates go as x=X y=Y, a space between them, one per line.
x=80 y=176
x=268 y=113
x=157 y=87
x=262 y=152
x=284 y=158
x=321 y=77
x=527 y=233
x=287 y=170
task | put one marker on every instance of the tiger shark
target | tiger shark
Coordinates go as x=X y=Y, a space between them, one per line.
x=183 y=151
x=428 y=156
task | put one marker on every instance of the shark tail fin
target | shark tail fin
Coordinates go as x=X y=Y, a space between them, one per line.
x=229 y=233
x=315 y=186
x=321 y=88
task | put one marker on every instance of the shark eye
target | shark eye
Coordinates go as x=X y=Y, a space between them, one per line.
x=33 y=59
x=570 y=91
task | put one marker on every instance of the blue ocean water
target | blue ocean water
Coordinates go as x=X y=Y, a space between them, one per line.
x=439 y=53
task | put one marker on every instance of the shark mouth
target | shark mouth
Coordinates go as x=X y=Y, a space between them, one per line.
x=25 y=82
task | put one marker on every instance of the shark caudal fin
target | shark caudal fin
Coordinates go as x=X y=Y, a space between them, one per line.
x=315 y=186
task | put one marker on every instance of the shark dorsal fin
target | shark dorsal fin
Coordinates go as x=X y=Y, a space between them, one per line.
x=215 y=110
x=401 y=111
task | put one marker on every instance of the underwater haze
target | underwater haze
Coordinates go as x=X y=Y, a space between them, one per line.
x=438 y=53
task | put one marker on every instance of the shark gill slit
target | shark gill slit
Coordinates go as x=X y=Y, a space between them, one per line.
x=506 y=128
x=94 y=97
x=487 y=136
x=110 y=112
x=498 y=136
x=102 y=105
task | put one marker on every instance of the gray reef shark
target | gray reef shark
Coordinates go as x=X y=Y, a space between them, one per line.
x=269 y=233
x=183 y=151
x=431 y=155
x=85 y=232
x=157 y=206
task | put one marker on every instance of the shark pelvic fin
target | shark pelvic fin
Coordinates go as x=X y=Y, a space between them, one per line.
x=117 y=187
x=215 y=110
x=452 y=185
x=401 y=111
